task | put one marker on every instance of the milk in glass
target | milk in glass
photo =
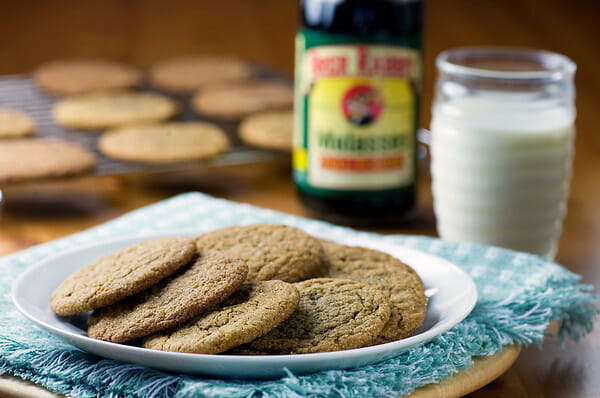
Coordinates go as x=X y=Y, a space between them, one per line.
x=502 y=149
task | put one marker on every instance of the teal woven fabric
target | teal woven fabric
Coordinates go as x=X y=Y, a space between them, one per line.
x=519 y=295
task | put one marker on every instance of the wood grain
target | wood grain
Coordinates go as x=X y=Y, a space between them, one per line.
x=143 y=31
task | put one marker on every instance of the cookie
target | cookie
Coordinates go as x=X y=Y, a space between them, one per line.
x=121 y=274
x=112 y=109
x=77 y=76
x=211 y=279
x=332 y=315
x=167 y=142
x=271 y=251
x=398 y=281
x=32 y=158
x=256 y=309
x=272 y=130
x=187 y=74
x=234 y=101
x=15 y=123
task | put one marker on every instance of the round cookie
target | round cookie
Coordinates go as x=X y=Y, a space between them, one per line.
x=32 y=158
x=256 y=309
x=187 y=74
x=271 y=251
x=398 y=281
x=77 y=76
x=121 y=274
x=234 y=101
x=273 y=130
x=332 y=315
x=167 y=142
x=110 y=109
x=15 y=123
x=211 y=279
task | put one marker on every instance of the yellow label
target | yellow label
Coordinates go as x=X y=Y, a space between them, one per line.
x=356 y=111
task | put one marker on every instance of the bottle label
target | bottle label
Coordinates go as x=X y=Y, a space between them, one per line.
x=355 y=117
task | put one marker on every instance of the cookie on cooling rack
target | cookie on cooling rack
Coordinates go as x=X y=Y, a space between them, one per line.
x=33 y=158
x=272 y=130
x=15 y=123
x=236 y=100
x=111 y=109
x=187 y=74
x=166 y=142
x=77 y=76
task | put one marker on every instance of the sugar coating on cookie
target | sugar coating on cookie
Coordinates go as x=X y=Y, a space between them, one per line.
x=187 y=74
x=234 y=101
x=121 y=274
x=398 y=281
x=15 y=123
x=32 y=158
x=332 y=315
x=112 y=109
x=271 y=251
x=165 y=142
x=190 y=291
x=78 y=76
x=273 y=130
x=252 y=311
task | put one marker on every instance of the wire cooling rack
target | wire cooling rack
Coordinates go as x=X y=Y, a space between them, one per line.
x=20 y=92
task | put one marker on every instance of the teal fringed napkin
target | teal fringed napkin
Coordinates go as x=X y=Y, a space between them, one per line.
x=519 y=295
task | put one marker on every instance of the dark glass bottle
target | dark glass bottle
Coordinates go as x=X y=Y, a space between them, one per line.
x=358 y=69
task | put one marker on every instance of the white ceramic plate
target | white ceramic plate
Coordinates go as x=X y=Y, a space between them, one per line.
x=452 y=295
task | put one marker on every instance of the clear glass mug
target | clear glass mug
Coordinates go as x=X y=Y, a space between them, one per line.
x=502 y=146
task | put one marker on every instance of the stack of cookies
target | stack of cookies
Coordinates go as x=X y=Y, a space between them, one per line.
x=257 y=289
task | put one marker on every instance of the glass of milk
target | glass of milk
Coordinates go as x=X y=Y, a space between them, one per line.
x=502 y=146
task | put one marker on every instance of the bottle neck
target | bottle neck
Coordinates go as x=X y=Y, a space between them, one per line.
x=363 y=18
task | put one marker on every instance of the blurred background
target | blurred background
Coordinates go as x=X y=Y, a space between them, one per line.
x=143 y=32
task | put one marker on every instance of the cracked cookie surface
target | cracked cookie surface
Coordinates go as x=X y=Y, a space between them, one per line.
x=252 y=311
x=208 y=281
x=332 y=315
x=271 y=251
x=121 y=274
x=398 y=281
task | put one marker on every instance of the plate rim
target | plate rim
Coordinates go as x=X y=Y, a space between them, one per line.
x=403 y=344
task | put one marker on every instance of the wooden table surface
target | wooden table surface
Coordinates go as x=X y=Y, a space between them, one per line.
x=141 y=32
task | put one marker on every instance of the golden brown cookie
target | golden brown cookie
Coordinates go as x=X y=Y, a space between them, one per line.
x=187 y=74
x=166 y=142
x=110 y=109
x=332 y=315
x=77 y=76
x=211 y=279
x=15 y=123
x=271 y=251
x=257 y=308
x=31 y=158
x=273 y=130
x=234 y=101
x=121 y=274
x=398 y=281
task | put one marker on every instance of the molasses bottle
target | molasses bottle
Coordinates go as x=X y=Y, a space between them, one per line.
x=358 y=69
